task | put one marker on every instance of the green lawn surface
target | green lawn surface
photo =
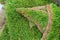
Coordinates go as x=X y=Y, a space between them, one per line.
x=17 y=26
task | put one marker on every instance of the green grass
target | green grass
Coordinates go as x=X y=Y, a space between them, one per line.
x=17 y=26
x=0 y=0
x=54 y=30
x=4 y=33
x=40 y=16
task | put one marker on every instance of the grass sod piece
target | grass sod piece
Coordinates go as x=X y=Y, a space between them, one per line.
x=35 y=15
x=17 y=25
x=42 y=14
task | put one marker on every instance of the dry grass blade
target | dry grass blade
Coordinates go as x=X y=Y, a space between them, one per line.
x=49 y=22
